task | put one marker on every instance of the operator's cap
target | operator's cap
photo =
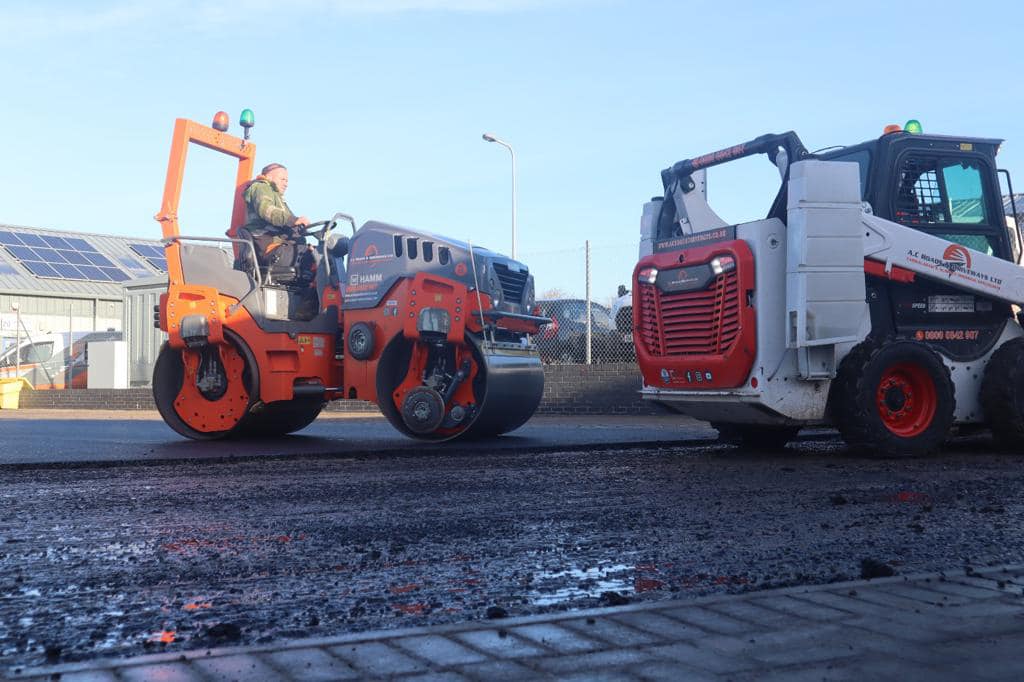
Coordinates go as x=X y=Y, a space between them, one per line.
x=271 y=167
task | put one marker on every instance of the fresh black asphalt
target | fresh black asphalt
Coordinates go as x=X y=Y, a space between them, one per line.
x=164 y=549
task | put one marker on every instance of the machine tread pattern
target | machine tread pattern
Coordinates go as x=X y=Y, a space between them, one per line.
x=1002 y=394
x=854 y=402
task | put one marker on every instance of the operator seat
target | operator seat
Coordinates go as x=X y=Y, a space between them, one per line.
x=272 y=273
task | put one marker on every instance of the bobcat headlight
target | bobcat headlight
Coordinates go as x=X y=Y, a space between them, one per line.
x=434 y=320
x=723 y=264
x=647 y=276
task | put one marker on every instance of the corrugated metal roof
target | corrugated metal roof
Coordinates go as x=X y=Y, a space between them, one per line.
x=16 y=279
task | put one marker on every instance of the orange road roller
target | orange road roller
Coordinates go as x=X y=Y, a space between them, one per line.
x=438 y=333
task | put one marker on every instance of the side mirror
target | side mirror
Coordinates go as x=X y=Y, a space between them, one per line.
x=623 y=290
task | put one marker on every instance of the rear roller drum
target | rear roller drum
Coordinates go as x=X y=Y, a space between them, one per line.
x=283 y=417
x=441 y=391
x=206 y=393
x=894 y=398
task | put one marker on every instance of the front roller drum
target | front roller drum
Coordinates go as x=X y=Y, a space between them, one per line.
x=503 y=388
x=514 y=386
x=206 y=393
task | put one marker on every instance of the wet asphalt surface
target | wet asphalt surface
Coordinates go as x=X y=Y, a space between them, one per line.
x=115 y=559
x=53 y=437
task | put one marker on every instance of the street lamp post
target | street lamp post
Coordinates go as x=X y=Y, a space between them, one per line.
x=491 y=138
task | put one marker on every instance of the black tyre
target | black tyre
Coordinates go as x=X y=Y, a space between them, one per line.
x=893 y=398
x=360 y=341
x=1002 y=394
x=756 y=436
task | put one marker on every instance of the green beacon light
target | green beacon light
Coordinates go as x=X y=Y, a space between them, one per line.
x=247 y=120
x=913 y=127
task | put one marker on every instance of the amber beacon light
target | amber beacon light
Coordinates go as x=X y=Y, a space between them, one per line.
x=220 y=121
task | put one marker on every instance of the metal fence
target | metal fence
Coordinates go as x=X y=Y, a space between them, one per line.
x=583 y=290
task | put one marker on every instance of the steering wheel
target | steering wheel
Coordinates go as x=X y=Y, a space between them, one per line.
x=308 y=230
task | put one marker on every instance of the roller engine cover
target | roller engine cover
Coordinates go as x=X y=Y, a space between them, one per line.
x=381 y=254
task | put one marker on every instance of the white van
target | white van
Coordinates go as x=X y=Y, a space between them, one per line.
x=48 y=362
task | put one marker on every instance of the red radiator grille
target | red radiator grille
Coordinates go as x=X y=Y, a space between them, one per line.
x=703 y=322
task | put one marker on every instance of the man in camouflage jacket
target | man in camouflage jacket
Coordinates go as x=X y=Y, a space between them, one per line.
x=273 y=227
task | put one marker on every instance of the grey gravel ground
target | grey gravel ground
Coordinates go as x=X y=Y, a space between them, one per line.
x=120 y=560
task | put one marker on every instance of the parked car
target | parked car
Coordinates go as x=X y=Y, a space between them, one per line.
x=622 y=313
x=565 y=339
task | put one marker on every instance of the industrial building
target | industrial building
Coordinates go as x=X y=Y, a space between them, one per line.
x=60 y=286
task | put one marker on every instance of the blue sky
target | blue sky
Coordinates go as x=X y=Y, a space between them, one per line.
x=377 y=107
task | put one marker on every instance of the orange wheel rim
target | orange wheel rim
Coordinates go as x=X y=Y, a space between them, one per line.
x=208 y=416
x=906 y=399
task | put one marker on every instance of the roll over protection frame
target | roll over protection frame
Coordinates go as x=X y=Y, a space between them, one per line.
x=765 y=144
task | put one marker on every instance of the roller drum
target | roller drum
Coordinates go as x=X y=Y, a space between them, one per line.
x=514 y=386
x=508 y=388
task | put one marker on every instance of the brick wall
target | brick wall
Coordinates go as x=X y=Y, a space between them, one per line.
x=593 y=389
x=568 y=389
x=89 y=399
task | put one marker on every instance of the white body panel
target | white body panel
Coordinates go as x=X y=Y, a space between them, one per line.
x=930 y=256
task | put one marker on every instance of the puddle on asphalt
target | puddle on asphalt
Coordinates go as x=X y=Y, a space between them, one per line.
x=586 y=582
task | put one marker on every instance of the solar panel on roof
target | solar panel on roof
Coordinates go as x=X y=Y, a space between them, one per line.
x=56 y=242
x=79 y=244
x=134 y=267
x=40 y=269
x=60 y=257
x=31 y=239
x=115 y=274
x=97 y=259
x=153 y=254
x=75 y=257
x=92 y=272
x=22 y=253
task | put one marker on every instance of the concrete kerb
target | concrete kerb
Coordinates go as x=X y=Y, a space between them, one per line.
x=976 y=577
